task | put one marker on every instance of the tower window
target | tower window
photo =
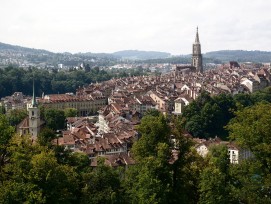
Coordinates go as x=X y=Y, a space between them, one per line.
x=32 y=113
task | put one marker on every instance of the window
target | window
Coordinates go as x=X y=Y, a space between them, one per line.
x=33 y=113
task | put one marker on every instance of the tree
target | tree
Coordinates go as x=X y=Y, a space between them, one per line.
x=214 y=186
x=58 y=183
x=16 y=116
x=102 y=185
x=153 y=130
x=207 y=116
x=6 y=132
x=150 y=180
x=152 y=112
x=248 y=183
x=2 y=109
x=55 y=119
x=70 y=112
x=251 y=130
x=186 y=166
x=34 y=175
x=46 y=136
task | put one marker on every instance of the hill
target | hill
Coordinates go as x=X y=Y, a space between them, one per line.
x=25 y=57
x=140 y=55
x=239 y=56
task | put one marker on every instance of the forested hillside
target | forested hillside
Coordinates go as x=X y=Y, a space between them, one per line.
x=239 y=56
x=14 y=79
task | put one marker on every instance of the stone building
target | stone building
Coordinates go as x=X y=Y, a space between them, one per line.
x=196 y=65
x=196 y=55
x=32 y=123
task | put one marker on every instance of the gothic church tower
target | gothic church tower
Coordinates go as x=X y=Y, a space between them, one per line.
x=196 y=55
x=34 y=117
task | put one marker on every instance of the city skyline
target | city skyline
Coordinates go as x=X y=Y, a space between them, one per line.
x=109 y=26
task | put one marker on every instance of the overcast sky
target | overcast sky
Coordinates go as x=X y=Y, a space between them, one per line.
x=157 y=25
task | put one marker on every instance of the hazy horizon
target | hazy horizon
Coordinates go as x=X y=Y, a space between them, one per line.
x=109 y=26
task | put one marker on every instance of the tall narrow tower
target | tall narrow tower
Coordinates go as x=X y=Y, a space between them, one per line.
x=34 y=116
x=196 y=55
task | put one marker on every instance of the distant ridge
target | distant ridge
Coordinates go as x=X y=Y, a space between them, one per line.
x=22 y=56
x=141 y=55
x=16 y=48
x=240 y=55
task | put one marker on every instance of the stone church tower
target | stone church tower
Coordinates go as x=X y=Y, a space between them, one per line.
x=34 y=117
x=196 y=55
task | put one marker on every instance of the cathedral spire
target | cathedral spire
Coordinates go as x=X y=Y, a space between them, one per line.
x=34 y=102
x=196 y=55
x=197 y=36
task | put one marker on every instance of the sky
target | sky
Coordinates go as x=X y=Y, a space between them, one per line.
x=151 y=25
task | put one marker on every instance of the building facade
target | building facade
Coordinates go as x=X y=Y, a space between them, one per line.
x=196 y=55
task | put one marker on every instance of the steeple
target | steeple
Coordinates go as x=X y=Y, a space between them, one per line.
x=197 y=37
x=196 y=54
x=34 y=102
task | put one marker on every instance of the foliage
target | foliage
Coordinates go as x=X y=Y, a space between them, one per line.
x=46 y=136
x=16 y=116
x=102 y=185
x=34 y=170
x=70 y=112
x=2 y=109
x=14 y=79
x=251 y=130
x=150 y=180
x=159 y=176
x=214 y=180
x=6 y=132
x=186 y=168
x=239 y=55
x=55 y=119
x=207 y=116
x=152 y=112
x=249 y=184
x=153 y=130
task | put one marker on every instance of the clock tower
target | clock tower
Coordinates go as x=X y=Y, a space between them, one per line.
x=34 y=117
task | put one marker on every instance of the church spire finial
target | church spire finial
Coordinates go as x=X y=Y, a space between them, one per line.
x=34 y=102
x=197 y=36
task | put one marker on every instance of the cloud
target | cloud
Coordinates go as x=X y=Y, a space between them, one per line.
x=107 y=26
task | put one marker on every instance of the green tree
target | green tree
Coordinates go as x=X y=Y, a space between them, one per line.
x=153 y=130
x=248 y=182
x=102 y=185
x=55 y=119
x=6 y=132
x=214 y=186
x=186 y=166
x=46 y=136
x=16 y=116
x=70 y=112
x=58 y=183
x=150 y=180
x=207 y=116
x=152 y=112
x=251 y=130
x=34 y=175
x=2 y=109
